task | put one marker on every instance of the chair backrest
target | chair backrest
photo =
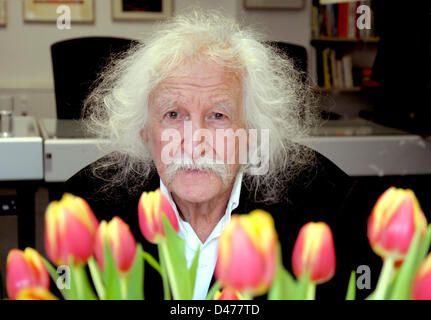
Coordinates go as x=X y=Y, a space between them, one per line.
x=76 y=64
x=297 y=53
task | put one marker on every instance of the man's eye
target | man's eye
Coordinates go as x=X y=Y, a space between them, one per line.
x=219 y=116
x=172 y=115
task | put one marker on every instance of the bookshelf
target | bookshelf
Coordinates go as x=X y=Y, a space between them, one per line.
x=339 y=39
x=342 y=55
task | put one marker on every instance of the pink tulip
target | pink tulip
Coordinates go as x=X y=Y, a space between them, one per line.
x=227 y=294
x=25 y=269
x=150 y=209
x=247 y=253
x=393 y=221
x=35 y=293
x=314 y=253
x=70 y=230
x=421 y=288
x=121 y=243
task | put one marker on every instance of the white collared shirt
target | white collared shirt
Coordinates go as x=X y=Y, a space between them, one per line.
x=208 y=250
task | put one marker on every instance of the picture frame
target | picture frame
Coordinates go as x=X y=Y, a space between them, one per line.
x=141 y=10
x=82 y=11
x=274 y=4
x=3 y=13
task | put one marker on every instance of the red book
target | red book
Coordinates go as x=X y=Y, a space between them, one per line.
x=343 y=19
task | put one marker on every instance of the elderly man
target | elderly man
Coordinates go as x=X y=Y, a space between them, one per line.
x=203 y=79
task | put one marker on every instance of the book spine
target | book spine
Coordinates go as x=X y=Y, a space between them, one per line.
x=343 y=19
x=313 y=66
x=347 y=71
x=352 y=20
x=339 y=66
x=334 y=76
x=326 y=71
x=328 y=22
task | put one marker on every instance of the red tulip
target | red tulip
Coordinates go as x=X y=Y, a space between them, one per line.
x=151 y=206
x=70 y=230
x=393 y=221
x=35 y=293
x=421 y=288
x=121 y=243
x=227 y=294
x=247 y=253
x=25 y=269
x=314 y=253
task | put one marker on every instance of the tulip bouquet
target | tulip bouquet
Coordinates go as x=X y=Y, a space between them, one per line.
x=397 y=232
x=249 y=260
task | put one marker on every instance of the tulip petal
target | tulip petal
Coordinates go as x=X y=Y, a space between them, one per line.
x=35 y=293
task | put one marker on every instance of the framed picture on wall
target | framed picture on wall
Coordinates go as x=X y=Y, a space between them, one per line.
x=141 y=9
x=3 y=13
x=46 y=10
x=274 y=4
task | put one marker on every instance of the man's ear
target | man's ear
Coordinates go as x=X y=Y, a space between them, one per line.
x=144 y=134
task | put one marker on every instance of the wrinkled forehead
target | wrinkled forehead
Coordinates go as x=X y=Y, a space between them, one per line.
x=207 y=81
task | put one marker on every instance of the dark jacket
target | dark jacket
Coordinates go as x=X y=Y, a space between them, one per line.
x=324 y=193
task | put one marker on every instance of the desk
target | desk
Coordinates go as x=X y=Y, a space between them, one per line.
x=21 y=168
x=66 y=149
x=363 y=148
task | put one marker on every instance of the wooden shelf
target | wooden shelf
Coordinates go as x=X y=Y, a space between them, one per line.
x=352 y=40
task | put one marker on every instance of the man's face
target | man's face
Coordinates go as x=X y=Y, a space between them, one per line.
x=198 y=97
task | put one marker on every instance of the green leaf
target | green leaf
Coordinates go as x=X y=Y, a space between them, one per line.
x=151 y=261
x=110 y=275
x=216 y=287
x=423 y=247
x=194 y=268
x=385 y=279
x=417 y=251
x=87 y=289
x=54 y=276
x=173 y=251
x=351 y=289
x=284 y=285
x=135 y=288
x=96 y=276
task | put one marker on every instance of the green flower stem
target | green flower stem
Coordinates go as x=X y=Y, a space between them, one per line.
x=97 y=278
x=169 y=267
x=163 y=273
x=78 y=280
x=246 y=295
x=123 y=286
x=384 y=279
x=311 y=291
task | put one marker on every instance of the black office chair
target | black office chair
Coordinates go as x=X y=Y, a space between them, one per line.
x=297 y=53
x=76 y=64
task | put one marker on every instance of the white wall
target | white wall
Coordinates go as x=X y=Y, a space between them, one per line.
x=25 y=60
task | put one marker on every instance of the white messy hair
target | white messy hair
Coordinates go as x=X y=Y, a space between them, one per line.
x=275 y=98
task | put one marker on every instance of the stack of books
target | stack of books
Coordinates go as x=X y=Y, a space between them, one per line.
x=339 y=20
x=330 y=71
